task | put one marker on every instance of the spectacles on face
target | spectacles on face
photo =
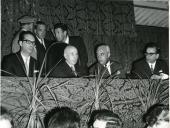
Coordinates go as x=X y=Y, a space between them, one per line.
x=150 y=54
x=29 y=42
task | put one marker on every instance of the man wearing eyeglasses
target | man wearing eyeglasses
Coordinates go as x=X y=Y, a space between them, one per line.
x=150 y=67
x=21 y=63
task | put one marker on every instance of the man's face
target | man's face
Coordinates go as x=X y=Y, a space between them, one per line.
x=41 y=31
x=151 y=55
x=27 y=45
x=30 y=27
x=103 y=55
x=71 y=56
x=60 y=34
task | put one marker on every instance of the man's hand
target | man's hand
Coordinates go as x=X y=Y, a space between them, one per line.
x=156 y=77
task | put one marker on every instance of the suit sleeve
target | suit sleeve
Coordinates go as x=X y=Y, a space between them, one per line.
x=7 y=69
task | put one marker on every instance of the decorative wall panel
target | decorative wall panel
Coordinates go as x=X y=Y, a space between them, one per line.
x=118 y=95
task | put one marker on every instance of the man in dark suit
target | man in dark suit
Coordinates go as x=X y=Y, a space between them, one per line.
x=104 y=67
x=150 y=67
x=41 y=43
x=21 y=63
x=68 y=68
x=57 y=50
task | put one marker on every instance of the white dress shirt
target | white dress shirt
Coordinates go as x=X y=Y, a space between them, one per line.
x=26 y=62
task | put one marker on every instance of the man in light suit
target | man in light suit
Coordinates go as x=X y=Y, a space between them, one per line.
x=104 y=66
x=57 y=50
x=68 y=68
x=21 y=64
x=26 y=24
x=150 y=67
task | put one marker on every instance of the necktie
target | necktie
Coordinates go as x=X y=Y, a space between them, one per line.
x=27 y=66
x=106 y=70
x=152 y=68
x=74 y=71
x=42 y=41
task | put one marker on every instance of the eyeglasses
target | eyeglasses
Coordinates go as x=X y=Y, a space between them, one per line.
x=150 y=54
x=29 y=42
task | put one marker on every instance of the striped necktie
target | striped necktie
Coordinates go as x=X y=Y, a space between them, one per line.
x=27 y=66
x=152 y=70
x=74 y=71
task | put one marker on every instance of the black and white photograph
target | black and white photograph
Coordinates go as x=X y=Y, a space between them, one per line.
x=84 y=64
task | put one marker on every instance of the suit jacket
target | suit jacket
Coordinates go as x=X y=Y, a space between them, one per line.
x=14 y=64
x=16 y=46
x=141 y=69
x=56 y=52
x=116 y=69
x=63 y=70
x=41 y=50
x=78 y=42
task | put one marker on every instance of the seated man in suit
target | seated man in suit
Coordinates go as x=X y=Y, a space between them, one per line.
x=150 y=67
x=68 y=68
x=57 y=50
x=41 y=43
x=21 y=63
x=26 y=24
x=104 y=66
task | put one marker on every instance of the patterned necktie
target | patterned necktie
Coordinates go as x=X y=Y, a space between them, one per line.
x=42 y=41
x=27 y=66
x=152 y=68
x=74 y=71
x=106 y=70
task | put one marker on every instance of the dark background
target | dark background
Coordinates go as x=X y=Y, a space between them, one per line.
x=97 y=21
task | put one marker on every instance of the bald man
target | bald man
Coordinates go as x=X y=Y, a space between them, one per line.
x=104 y=66
x=68 y=68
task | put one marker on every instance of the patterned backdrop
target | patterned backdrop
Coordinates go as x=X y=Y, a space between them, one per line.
x=97 y=21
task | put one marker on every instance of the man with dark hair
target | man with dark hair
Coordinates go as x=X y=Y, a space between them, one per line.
x=105 y=119
x=26 y=24
x=150 y=67
x=68 y=68
x=63 y=117
x=6 y=120
x=61 y=34
x=21 y=63
x=41 y=43
x=157 y=116
x=104 y=66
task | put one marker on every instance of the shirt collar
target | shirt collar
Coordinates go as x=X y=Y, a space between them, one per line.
x=67 y=40
x=25 y=57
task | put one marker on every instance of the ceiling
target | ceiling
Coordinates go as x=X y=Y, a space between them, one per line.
x=151 y=12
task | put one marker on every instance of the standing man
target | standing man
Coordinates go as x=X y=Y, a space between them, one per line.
x=68 y=68
x=41 y=43
x=61 y=33
x=104 y=66
x=26 y=24
x=150 y=67
x=21 y=63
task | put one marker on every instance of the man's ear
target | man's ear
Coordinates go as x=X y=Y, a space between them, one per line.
x=157 y=56
x=65 y=33
x=108 y=54
x=20 y=43
x=65 y=55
